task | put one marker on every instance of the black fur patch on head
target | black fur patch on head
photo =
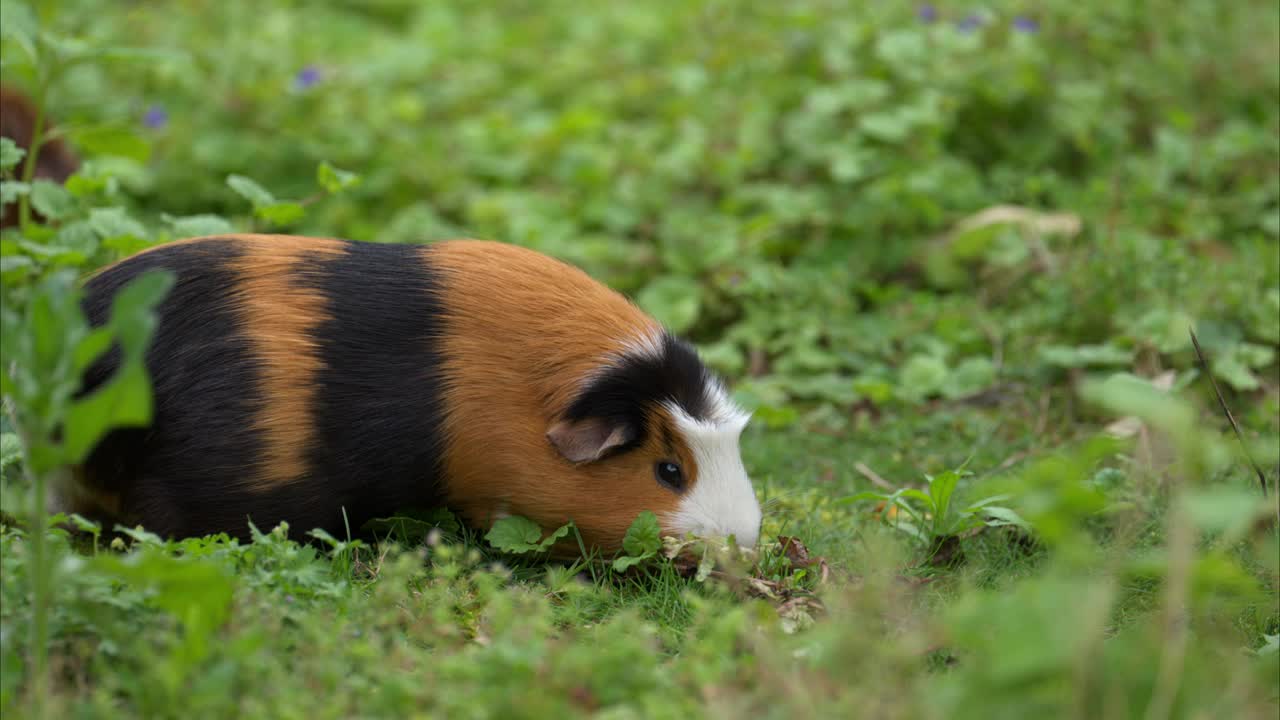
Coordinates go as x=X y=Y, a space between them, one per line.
x=626 y=391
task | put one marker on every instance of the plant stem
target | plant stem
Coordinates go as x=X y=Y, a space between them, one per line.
x=29 y=164
x=1181 y=549
x=41 y=583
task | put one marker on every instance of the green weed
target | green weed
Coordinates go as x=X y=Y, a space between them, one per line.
x=915 y=238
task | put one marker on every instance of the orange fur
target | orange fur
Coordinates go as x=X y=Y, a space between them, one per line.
x=523 y=333
x=278 y=314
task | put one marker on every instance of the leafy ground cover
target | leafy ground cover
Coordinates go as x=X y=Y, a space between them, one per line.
x=949 y=255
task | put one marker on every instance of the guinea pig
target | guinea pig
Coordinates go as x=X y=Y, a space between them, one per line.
x=324 y=382
x=55 y=160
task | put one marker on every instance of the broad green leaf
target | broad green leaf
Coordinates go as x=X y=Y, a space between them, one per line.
x=334 y=180
x=52 y=315
x=1004 y=516
x=626 y=562
x=909 y=527
x=876 y=389
x=325 y=536
x=51 y=200
x=198 y=225
x=1266 y=319
x=986 y=501
x=114 y=222
x=941 y=489
x=970 y=377
x=196 y=593
x=280 y=213
x=413 y=527
x=139 y=54
x=1236 y=364
x=1235 y=373
x=126 y=245
x=1165 y=328
x=776 y=417
x=644 y=535
x=11 y=190
x=10 y=154
x=10 y=450
x=132 y=315
x=930 y=502
x=250 y=190
x=1083 y=356
x=443 y=519
x=922 y=376
x=92 y=346
x=112 y=140
x=553 y=538
x=18 y=23
x=1225 y=509
x=725 y=357
x=1126 y=394
x=54 y=255
x=673 y=300
x=692 y=243
x=78 y=236
x=15 y=267
x=890 y=127
x=124 y=400
x=514 y=534
x=83 y=185
x=84 y=524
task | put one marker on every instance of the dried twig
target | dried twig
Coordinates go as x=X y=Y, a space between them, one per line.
x=1204 y=363
x=871 y=475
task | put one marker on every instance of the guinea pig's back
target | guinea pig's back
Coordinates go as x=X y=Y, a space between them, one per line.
x=293 y=378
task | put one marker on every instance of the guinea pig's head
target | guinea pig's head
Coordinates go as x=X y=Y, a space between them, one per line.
x=653 y=429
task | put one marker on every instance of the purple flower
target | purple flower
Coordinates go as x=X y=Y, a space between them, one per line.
x=927 y=13
x=306 y=77
x=1025 y=24
x=155 y=118
x=970 y=23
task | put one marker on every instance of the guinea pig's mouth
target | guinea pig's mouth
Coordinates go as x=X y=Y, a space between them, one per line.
x=745 y=532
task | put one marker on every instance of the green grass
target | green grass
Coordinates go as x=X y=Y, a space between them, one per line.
x=806 y=190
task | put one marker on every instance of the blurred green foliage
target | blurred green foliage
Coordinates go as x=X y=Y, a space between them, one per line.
x=734 y=165
x=914 y=237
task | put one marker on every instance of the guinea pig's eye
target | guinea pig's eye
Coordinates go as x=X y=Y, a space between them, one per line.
x=669 y=474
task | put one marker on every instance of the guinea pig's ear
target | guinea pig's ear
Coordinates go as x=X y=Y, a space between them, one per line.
x=588 y=439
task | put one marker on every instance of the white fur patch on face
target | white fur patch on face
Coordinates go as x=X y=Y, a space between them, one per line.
x=722 y=501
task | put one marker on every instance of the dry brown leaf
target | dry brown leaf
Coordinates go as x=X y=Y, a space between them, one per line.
x=795 y=550
x=798 y=613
